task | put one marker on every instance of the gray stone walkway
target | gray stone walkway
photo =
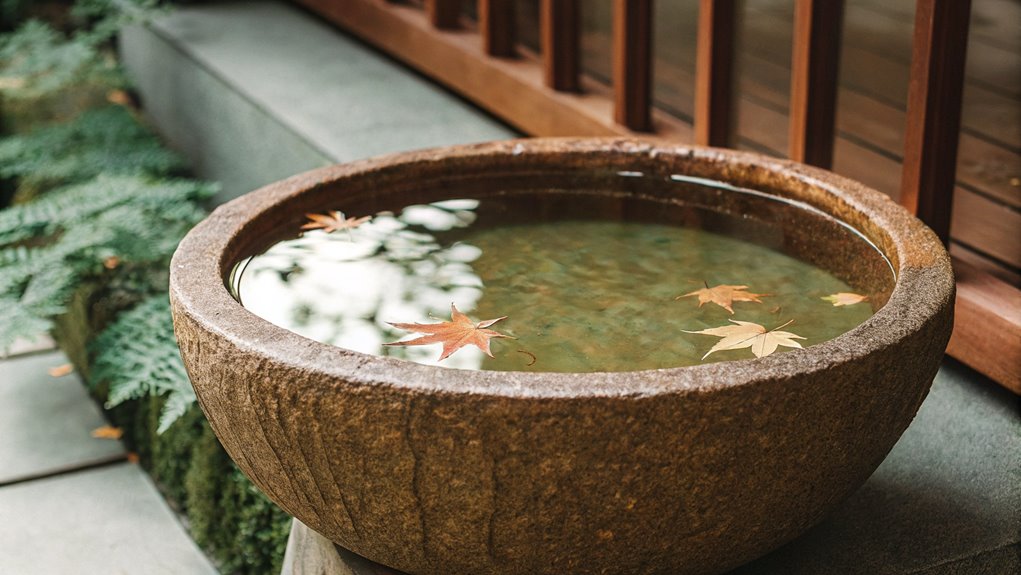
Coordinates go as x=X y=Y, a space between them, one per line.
x=71 y=503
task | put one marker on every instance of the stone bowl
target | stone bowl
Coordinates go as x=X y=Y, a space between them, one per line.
x=432 y=470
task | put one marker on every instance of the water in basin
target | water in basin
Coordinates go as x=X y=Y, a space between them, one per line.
x=587 y=282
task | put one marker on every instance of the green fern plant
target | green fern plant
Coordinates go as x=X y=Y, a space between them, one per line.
x=137 y=356
x=107 y=140
x=37 y=60
x=52 y=245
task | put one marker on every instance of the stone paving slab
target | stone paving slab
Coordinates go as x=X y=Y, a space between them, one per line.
x=46 y=421
x=26 y=346
x=946 y=500
x=109 y=520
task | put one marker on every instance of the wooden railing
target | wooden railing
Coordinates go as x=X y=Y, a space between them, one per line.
x=547 y=94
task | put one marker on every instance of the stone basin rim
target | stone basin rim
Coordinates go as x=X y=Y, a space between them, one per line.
x=199 y=266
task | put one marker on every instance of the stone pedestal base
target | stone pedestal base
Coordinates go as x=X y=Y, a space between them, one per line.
x=309 y=553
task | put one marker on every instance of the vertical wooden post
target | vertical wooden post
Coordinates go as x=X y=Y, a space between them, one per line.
x=814 y=65
x=444 y=14
x=497 y=24
x=714 y=72
x=559 y=21
x=934 y=111
x=632 y=63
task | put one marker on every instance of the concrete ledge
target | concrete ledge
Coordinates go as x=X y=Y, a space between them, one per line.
x=253 y=92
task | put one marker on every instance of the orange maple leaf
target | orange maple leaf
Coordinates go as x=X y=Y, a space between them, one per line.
x=332 y=221
x=60 y=370
x=454 y=334
x=107 y=432
x=724 y=296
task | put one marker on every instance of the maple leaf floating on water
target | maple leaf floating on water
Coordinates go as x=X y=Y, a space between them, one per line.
x=845 y=298
x=724 y=296
x=453 y=334
x=332 y=221
x=747 y=334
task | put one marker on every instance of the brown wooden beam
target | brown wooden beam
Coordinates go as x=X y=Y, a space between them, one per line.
x=987 y=325
x=934 y=111
x=497 y=24
x=714 y=72
x=632 y=63
x=559 y=22
x=444 y=14
x=814 y=64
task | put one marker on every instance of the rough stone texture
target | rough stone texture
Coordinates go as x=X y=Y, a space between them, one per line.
x=946 y=501
x=45 y=421
x=108 y=520
x=429 y=470
x=245 y=114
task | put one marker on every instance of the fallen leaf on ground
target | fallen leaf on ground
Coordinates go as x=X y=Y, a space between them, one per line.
x=747 y=334
x=454 y=334
x=845 y=298
x=119 y=97
x=724 y=296
x=332 y=221
x=60 y=370
x=107 y=432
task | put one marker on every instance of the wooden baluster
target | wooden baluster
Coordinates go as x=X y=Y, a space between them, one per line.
x=497 y=23
x=559 y=23
x=934 y=111
x=444 y=14
x=814 y=65
x=714 y=77
x=632 y=63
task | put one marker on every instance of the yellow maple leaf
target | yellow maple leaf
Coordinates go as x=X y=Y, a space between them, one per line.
x=747 y=334
x=724 y=296
x=845 y=298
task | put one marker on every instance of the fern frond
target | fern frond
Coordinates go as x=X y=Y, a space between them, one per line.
x=106 y=140
x=18 y=322
x=62 y=209
x=137 y=355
